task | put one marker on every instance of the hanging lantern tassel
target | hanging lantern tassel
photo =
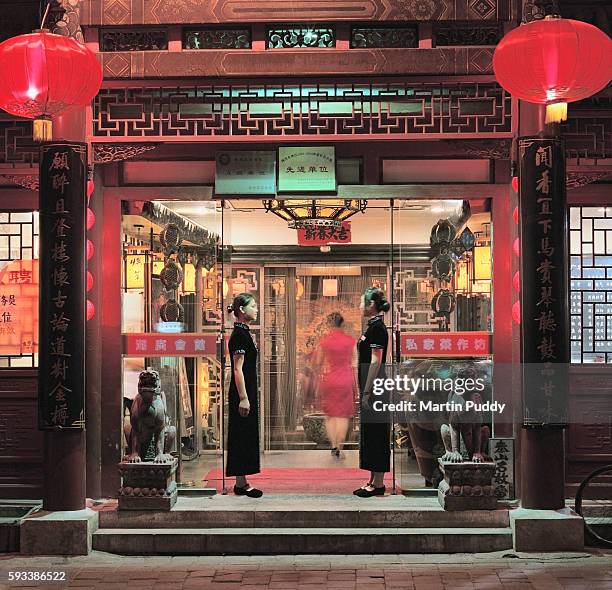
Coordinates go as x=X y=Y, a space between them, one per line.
x=43 y=129
x=557 y=112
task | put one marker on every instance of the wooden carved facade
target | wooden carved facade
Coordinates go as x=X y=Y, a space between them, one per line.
x=374 y=76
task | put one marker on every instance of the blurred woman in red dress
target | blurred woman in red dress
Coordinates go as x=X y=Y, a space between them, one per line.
x=337 y=387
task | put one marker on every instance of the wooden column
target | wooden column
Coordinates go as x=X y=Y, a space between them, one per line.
x=542 y=447
x=64 y=450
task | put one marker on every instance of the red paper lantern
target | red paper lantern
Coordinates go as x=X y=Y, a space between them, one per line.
x=91 y=218
x=43 y=75
x=91 y=310
x=89 y=281
x=90 y=249
x=515 y=215
x=515 y=184
x=90 y=189
x=516 y=246
x=516 y=311
x=516 y=281
x=553 y=61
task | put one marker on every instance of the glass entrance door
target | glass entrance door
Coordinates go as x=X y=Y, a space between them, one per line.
x=300 y=279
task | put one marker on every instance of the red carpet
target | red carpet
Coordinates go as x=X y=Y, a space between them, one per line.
x=300 y=481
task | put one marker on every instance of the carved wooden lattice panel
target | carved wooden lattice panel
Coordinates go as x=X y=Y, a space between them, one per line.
x=412 y=294
x=591 y=284
x=16 y=144
x=18 y=242
x=393 y=109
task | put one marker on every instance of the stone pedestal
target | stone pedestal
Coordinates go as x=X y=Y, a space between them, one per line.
x=58 y=533
x=148 y=485
x=547 y=530
x=467 y=486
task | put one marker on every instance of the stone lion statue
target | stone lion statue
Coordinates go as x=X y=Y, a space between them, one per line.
x=148 y=436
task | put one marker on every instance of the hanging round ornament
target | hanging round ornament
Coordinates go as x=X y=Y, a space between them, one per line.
x=172 y=311
x=171 y=276
x=43 y=75
x=443 y=303
x=553 y=61
x=443 y=232
x=443 y=267
x=170 y=237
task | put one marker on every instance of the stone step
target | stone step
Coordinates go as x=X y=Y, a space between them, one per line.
x=304 y=519
x=293 y=541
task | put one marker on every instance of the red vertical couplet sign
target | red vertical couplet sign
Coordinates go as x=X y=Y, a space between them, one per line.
x=63 y=210
x=544 y=297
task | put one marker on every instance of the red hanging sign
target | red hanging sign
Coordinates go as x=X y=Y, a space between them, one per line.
x=185 y=344
x=446 y=344
x=322 y=235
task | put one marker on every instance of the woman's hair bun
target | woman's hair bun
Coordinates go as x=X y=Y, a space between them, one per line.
x=385 y=305
x=230 y=309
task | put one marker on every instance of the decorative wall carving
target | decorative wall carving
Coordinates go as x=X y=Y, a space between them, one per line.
x=29 y=181
x=384 y=37
x=301 y=36
x=289 y=62
x=117 y=152
x=138 y=12
x=494 y=149
x=133 y=40
x=578 y=179
x=538 y=9
x=217 y=38
x=448 y=34
x=351 y=110
x=65 y=19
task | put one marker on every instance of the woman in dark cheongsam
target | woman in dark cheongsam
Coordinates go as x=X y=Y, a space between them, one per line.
x=374 y=428
x=243 y=419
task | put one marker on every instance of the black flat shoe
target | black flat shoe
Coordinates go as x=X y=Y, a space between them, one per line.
x=365 y=493
x=248 y=491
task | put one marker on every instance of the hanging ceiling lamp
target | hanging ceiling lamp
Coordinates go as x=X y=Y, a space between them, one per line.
x=43 y=75
x=301 y=213
x=554 y=61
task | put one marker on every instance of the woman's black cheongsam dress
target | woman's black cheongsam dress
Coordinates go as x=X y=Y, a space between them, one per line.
x=374 y=429
x=243 y=432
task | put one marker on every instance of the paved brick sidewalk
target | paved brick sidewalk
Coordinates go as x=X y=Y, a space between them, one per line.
x=101 y=571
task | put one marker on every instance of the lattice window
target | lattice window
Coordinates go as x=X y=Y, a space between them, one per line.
x=16 y=143
x=18 y=289
x=217 y=38
x=133 y=40
x=384 y=36
x=591 y=284
x=351 y=110
x=301 y=36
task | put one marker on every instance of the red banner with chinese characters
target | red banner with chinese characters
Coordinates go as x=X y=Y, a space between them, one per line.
x=185 y=344
x=446 y=343
x=19 y=307
x=320 y=236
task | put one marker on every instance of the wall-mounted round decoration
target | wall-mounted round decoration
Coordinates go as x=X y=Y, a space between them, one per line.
x=171 y=275
x=170 y=237
x=443 y=303
x=443 y=267
x=442 y=232
x=172 y=311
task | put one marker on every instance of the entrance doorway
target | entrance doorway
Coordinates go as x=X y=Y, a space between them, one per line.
x=297 y=285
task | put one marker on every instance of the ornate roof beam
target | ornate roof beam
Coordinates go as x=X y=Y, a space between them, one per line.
x=145 y=12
